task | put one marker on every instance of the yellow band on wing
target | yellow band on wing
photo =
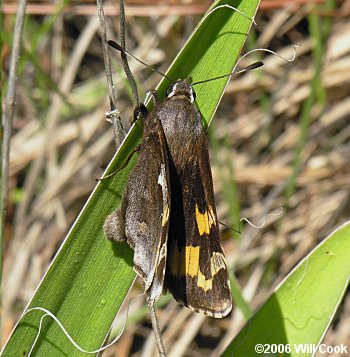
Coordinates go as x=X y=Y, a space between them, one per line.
x=205 y=220
x=186 y=263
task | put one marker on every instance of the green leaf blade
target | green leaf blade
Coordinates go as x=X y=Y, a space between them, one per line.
x=300 y=310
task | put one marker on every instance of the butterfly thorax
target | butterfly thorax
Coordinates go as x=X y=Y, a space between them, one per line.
x=182 y=125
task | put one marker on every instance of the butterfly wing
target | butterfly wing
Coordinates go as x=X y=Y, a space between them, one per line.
x=143 y=217
x=196 y=273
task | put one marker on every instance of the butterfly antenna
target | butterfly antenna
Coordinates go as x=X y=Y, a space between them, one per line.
x=245 y=69
x=121 y=49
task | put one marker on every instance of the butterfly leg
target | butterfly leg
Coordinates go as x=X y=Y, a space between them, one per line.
x=125 y=163
x=154 y=96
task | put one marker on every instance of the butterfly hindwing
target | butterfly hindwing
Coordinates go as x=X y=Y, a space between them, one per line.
x=143 y=217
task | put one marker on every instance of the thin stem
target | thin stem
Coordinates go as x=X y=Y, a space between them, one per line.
x=156 y=329
x=9 y=113
x=135 y=95
x=119 y=132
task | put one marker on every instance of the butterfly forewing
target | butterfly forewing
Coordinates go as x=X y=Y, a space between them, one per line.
x=196 y=272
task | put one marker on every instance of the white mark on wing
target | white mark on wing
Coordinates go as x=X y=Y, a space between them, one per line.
x=162 y=181
x=161 y=177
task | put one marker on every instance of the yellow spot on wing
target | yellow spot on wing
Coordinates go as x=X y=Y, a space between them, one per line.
x=205 y=220
x=186 y=263
x=191 y=260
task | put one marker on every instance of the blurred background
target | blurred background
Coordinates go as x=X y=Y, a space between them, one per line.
x=281 y=136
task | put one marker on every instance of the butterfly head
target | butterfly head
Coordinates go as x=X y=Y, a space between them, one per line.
x=181 y=88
